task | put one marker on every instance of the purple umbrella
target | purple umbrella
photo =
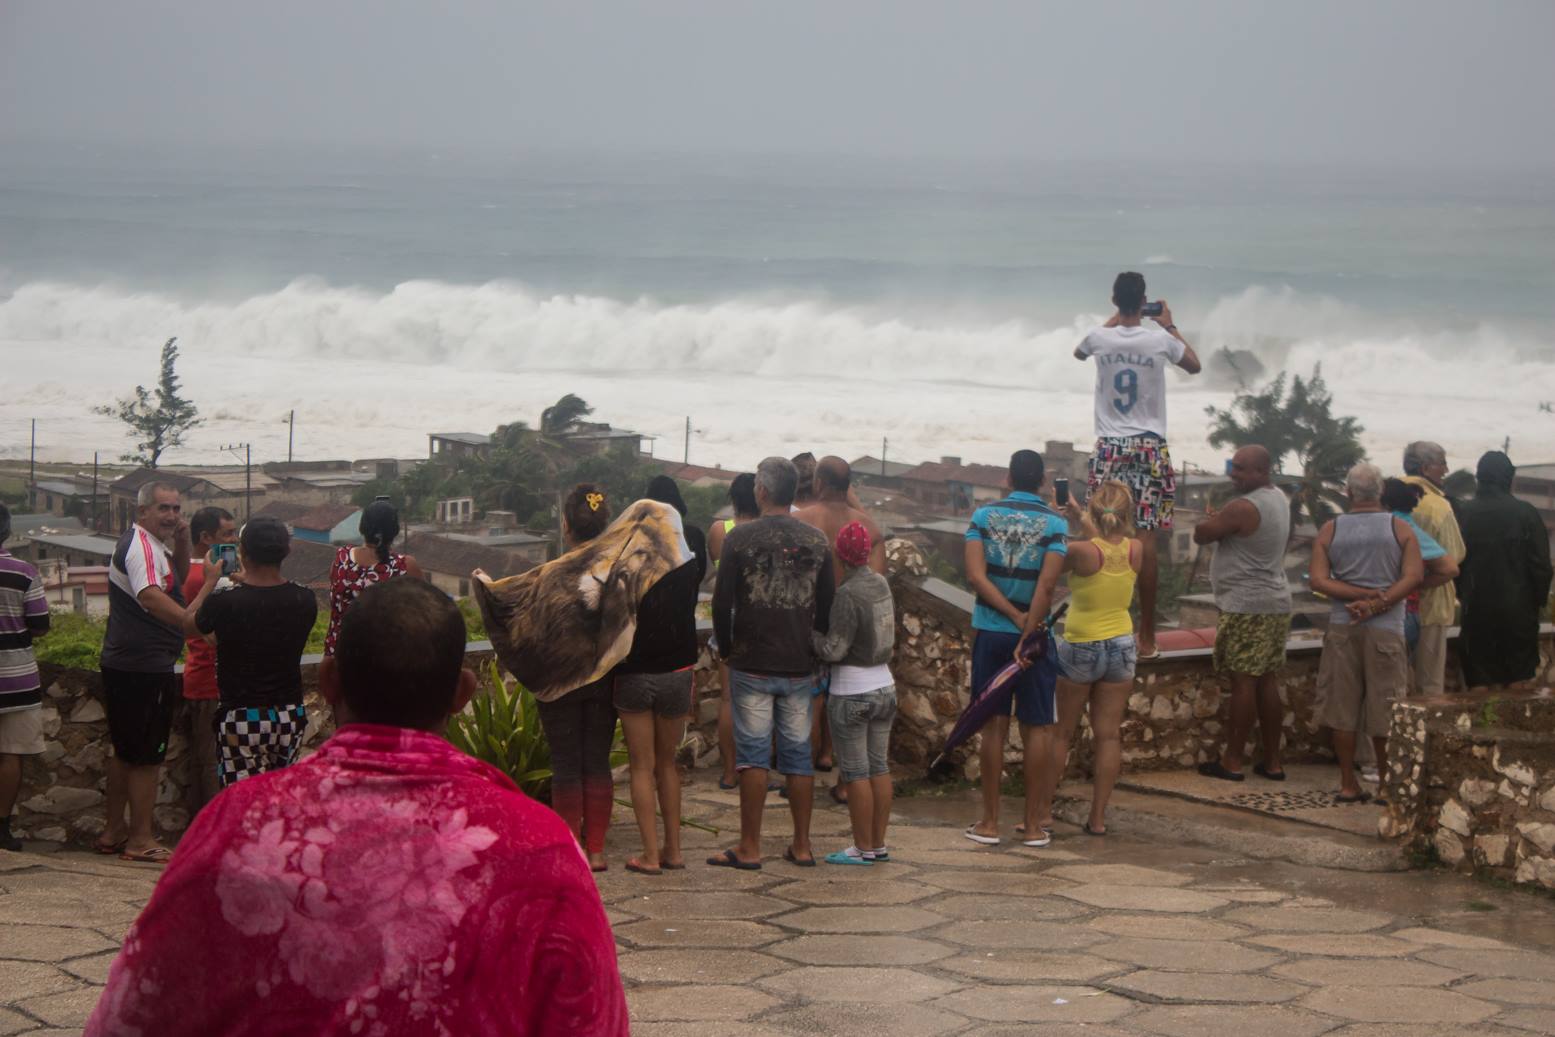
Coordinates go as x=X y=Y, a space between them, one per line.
x=995 y=699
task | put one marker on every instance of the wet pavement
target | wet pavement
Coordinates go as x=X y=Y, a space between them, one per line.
x=1091 y=936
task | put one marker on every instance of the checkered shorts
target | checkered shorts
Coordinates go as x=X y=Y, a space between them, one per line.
x=1143 y=464
x=252 y=741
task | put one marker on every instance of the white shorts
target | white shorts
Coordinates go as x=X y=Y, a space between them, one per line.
x=21 y=731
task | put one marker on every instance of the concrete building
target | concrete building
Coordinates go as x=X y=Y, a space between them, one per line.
x=67 y=495
x=456 y=446
x=329 y=524
x=448 y=562
x=948 y=487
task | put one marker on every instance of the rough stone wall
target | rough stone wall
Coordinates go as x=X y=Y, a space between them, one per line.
x=1474 y=783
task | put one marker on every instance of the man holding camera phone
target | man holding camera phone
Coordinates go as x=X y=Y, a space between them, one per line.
x=208 y=528
x=1131 y=362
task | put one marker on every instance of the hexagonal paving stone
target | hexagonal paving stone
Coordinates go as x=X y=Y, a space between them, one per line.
x=132 y=887
x=1186 y=955
x=53 y=909
x=1036 y=1005
x=996 y=883
x=1287 y=919
x=1512 y=991
x=68 y=1009
x=977 y=907
x=1245 y=894
x=859 y=919
x=1129 y=898
x=728 y=1003
x=840 y=1017
x=698 y=965
x=1489 y=963
x=1443 y=938
x=1413 y=1030
x=1398 y=1005
x=715 y=1029
x=697 y=932
x=1118 y=875
x=1008 y=934
x=1028 y=966
x=859 y=985
x=1166 y=927
x=1055 y=1030
x=821 y=891
x=93 y=969
x=1337 y=972
x=1207 y=987
x=49 y=942
x=707 y=904
x=1533 y=1020
x=1339 y=945
x=846 y=949
x=937 y=837
x=1198 y=1020
x=970 y=857
x=24 y=979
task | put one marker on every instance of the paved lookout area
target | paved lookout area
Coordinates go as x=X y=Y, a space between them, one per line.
x=1087 y=938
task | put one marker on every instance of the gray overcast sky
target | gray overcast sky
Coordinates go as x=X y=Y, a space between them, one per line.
x=1305 y=80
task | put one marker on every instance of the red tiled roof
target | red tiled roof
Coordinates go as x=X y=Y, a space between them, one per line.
x=325 y=517
x=984 y=475
x=693 y=472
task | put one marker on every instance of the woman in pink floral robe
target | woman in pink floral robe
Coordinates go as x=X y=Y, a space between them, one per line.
x=386 y=885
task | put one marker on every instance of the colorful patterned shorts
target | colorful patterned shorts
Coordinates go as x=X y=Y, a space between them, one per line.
x=1143 y=464
x=1251 y=644
x=252 y=741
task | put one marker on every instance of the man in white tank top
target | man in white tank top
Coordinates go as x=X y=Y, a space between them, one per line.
x=1367 y=562
x=1250 y=534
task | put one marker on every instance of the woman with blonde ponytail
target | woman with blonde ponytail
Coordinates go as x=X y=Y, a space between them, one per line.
x=1097 y=652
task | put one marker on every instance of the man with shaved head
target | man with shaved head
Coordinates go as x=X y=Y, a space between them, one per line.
x=832 y=508
x=1250 y=535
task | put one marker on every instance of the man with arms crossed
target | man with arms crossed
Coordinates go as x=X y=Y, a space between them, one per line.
x=144 y=637
x=1014 y=556
x=775 y=586
x=1251 y=592
x=1131 y=362
x=1425 y=466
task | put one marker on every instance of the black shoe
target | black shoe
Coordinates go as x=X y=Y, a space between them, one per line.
x=1214 y=769
x=7 y=840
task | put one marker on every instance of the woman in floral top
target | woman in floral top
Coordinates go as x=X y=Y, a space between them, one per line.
x=358 y=568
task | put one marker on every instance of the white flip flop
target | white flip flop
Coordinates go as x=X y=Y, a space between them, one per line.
x=981 y=840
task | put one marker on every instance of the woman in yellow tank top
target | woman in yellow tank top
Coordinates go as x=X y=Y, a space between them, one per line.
x=1097 y=654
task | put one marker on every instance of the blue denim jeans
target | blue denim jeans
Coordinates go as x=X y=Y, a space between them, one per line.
x=762 y=703
x=861 y=732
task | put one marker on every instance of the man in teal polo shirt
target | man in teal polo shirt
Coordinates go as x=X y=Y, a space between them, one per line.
x=1014 y=557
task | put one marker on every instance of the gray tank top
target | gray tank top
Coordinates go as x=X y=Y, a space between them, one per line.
x=1248 y=572
x=1366 y=553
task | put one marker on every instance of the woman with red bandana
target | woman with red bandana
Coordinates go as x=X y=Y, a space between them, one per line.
x=858 y=643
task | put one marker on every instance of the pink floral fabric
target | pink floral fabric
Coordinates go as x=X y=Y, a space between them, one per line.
x=386 y=885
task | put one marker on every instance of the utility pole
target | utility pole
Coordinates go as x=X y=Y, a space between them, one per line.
x=93 y=526
x=32 y=467
x=687 y=458
x=291 y=429
x=885 y=441
x=248 y=474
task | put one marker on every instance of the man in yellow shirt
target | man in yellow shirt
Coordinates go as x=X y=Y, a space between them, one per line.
x=1425 y=466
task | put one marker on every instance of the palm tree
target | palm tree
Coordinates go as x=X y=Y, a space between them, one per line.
x=563 y=415
x=1308 y=443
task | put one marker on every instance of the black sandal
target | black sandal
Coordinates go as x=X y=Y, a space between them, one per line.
x=1213 y=769
x=1263 y=771
x=1360 y=797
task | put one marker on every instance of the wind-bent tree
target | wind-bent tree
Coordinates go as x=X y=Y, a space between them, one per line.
x=563 y=415
x=159 y=418
x=1305 y=439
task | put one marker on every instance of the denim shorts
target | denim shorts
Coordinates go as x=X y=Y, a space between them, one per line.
x=763 y=703
x=667 y=694
x=1087 y=662
x=861 y=732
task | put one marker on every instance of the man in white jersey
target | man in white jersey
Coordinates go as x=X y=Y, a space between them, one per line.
x=1131 y=362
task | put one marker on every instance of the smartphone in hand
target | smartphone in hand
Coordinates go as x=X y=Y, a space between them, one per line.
x=226 y=556
x=1152 y=309
x=1061 y=492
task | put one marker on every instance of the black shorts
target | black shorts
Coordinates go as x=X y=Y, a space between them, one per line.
x=140 y=714
x=667 y=694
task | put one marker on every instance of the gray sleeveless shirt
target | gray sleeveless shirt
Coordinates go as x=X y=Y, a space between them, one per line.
x=1366 y=553
x=1248 y=572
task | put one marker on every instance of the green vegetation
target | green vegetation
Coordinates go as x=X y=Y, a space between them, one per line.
x=1302 y=435
x=73 y=640
x=943 y=568
x=159 y=419
x=501 y=726
x=1487 y=716
x=702 y=503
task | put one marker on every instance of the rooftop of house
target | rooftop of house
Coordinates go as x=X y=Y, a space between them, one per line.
x=325 y=517
x=327 y=480
x=984 y=475
x=285 y=511
x=467 y=438
x=1543 y=472
x=436 y=552
x=695 y=472
x=513 y=538
x=86 y=543
x=309 y=564
x=133 y=481
x=867 y=466
x=69 y=487
x=27 y=525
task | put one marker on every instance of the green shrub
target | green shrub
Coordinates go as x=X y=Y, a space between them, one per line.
x=501 y=726
x=73 y=640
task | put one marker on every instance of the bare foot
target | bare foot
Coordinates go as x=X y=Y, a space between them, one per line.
x=597 y=862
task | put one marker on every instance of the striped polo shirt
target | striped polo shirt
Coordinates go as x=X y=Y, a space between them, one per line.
x=24 y=613
x=1017 y=533
x=136 y=640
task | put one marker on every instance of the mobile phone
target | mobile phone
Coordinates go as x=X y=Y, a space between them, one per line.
x=226 y=556
x=1061 y=491
x=1152 y=309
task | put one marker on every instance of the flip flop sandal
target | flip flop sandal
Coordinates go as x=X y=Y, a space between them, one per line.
x=728 y=788
x=1360 y=797
x=844 y=857
x=1147 y=658
x=1264 y=772
x=837 y=796
x=825 y=768
x=1020 y=829
x=1038 y=843
x=643 y=869
x=981 y=840
x=728 y=859
x=881 y=855
x=790 y=857
x=1088 y=830
x=1214 y=769
x=111 y=851
x=602 y=867
x=673 y=867
x=155 y=855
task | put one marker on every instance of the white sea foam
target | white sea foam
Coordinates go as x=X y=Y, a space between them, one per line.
x=370 y=373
